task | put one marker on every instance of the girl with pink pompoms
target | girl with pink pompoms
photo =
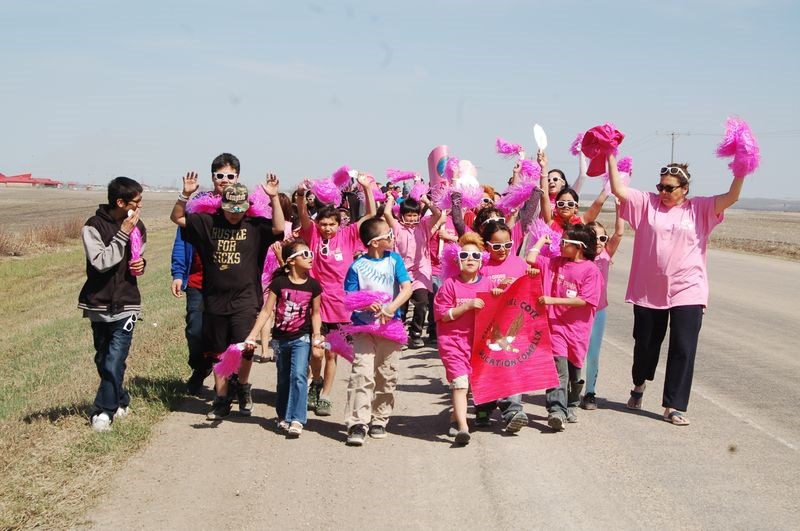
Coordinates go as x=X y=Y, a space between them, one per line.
x=334 y=247
x=294 y=297
x=668 y=284
x=455 y=305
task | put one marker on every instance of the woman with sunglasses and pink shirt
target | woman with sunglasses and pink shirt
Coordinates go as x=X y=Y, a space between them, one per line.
x=668 y=282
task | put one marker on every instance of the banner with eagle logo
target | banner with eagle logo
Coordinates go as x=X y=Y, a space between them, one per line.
x=511 y=352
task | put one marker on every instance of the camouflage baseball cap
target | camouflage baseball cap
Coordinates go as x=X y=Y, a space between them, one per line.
x=234 y=199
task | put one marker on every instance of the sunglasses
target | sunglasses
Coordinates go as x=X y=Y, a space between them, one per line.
x=305 y=253
x=487 y=201
x=325 y=248
x=496 y=220
x=500 y=246
x=467 y=255
x=388 y=236
x=566 y=204
x=602 y=238
x=674 y=170
x=669 y=188
x=220 y=176
x=553 y=179
x=573 y=242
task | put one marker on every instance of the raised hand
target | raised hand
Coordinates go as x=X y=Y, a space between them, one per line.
x=130 y=222
x=270 y=186
x=190 y=184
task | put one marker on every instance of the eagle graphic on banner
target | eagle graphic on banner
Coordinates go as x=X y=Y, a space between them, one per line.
x=498 y=341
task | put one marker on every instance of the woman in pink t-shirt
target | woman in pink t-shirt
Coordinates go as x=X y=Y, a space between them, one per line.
x=333 y=249
x=572 y=287
x=502 y=269
x=454 y=306
x=668 y=281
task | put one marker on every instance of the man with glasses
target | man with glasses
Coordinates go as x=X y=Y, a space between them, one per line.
x=187 y=276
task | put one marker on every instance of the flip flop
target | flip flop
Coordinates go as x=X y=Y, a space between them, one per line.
x=635 y=401
x=294 y=430
x=676 y=418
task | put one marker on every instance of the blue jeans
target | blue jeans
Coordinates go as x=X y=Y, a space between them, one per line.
x=291 y=360
x=593 y=356
x=112 y=341
x=194 y=330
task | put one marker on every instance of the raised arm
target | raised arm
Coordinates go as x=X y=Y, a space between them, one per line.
x=302 y=208
x=435 y=211
x=546 y=210
x=190 y=186
x=388 y=210
x=270 y=187
x=597 y=206
x=366 y=182
x=721 y=202
x=578 y=184
x=616 y=238
x=618 y=188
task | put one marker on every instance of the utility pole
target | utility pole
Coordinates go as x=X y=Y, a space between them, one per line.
x=673 y=134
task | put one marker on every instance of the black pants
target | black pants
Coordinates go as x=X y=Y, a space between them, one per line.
x=649 y=329
x=420 y=300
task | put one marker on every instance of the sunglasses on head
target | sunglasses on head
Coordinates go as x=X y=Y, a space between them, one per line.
x=220 y=176
x=466 y=255
x=500 y=246
x=496 y=220
x=305 y=253
x=602 y=238
x=669 y=188
x=573 y=242
x=566 y=204
x=674 y=170
x=388 y=236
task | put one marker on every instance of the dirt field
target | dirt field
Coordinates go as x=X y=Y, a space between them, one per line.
x=760 y=232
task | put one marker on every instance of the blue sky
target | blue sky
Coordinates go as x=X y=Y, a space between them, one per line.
x=150 y=90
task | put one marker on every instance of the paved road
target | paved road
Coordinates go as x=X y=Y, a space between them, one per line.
x=736 y=466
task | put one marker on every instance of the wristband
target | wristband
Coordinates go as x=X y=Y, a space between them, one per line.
x=450 y=314
x=387 y=314
x=182 y=198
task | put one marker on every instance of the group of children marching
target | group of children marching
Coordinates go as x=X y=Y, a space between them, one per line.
x=392 y=255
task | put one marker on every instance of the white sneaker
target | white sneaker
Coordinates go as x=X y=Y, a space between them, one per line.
x=122 y=412
x=101 y=423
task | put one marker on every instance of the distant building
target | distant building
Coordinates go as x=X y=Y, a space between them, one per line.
x=26 y=180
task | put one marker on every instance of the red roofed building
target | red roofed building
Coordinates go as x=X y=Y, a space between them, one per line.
x=25 y=179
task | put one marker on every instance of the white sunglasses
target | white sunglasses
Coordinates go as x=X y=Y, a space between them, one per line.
x=305 y=253
x=573 y=242
x=388 y=236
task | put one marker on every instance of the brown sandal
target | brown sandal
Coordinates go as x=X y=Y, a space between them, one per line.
x=635 y=401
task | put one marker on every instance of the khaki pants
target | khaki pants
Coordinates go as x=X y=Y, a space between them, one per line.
x=373 y=378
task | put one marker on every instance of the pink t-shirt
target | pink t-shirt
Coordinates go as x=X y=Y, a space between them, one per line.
x=411 y=242
x=455 y=337
x=512 y=267
x=603 y=263
x=332 y=259
x=571 y=326
x=668 y=267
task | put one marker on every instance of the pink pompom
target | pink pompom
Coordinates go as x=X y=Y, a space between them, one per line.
x=515 y=196
x=625 y=164
x=393 y=330
x=339 y=344
x=575 y=148
x=327 y=192
x=440 y=195
x=451 y=168
x=359 y=300
x=260 y=204
x=395 y=175
x=341 y=177
x=378 y=194
x=740 y=143
x=270 y=266
x=530 y=170
x=206 y=203
x=508 y=149
x=471 y=195
x=449 y=262
x=599 y=142
x=538 y=229
x=136 y=243
x=229 y=361
x=418 y=190
x=396 y=210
